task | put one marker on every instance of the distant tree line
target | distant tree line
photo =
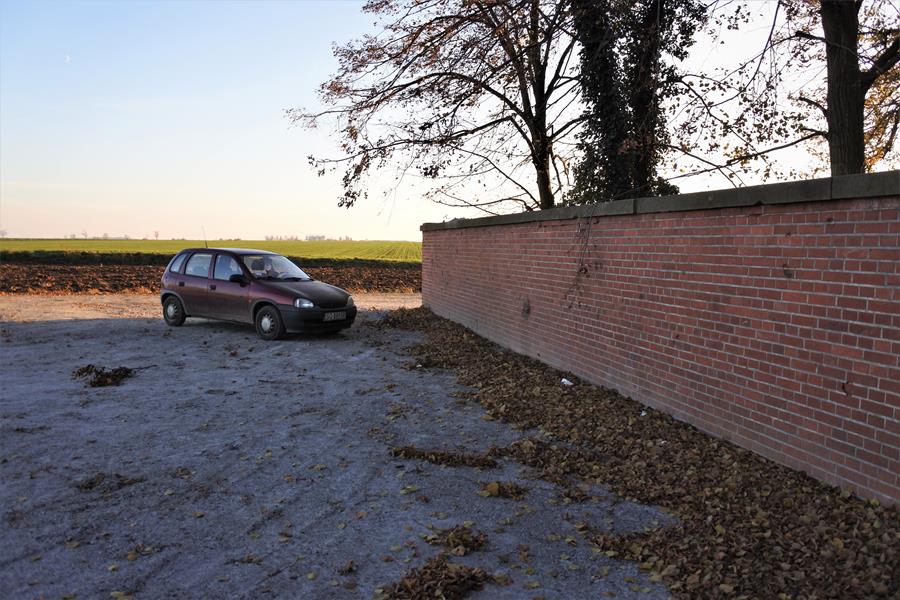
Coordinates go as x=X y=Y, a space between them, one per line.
x=308 y=238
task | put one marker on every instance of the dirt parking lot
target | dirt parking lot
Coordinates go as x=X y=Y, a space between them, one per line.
x=228 y=467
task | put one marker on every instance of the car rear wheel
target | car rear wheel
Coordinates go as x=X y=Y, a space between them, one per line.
x=269 y=325
x=173 y=311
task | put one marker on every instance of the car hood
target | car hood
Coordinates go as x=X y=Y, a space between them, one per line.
x=320 y=293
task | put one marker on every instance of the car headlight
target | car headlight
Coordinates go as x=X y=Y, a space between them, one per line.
x=303 y=303
x=350 y=301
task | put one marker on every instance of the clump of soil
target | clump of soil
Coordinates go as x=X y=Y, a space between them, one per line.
x=102 y=482
x=441 y=457
x=503 y=489
x=437 y=579
x=248 y=559
x=101 y=376
x=747 y=527
x=460 y=539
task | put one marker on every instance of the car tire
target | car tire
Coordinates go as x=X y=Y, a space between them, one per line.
x=173 y=311
x=269 y=325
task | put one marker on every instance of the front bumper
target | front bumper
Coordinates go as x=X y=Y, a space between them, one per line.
x=311 y=320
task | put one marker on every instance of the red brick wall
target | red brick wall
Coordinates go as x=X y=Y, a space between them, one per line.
x=775 y=327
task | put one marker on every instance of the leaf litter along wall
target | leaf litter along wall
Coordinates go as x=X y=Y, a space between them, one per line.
x=775 y=325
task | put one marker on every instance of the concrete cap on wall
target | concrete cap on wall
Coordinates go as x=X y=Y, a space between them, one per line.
x=869 y=185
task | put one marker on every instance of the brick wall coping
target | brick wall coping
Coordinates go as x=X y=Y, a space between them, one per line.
x=869 y=185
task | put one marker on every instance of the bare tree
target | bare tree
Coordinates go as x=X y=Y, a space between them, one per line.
x=155 y=235
x=825 y=76
x=458 y=92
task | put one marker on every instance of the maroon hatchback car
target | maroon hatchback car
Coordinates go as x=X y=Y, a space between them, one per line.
x=252 y=286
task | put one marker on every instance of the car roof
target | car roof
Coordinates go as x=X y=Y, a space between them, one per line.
x=239 y=251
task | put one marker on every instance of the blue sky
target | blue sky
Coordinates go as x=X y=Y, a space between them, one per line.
x=126 y=118
x=130 y=117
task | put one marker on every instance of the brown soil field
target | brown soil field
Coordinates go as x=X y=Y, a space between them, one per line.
x=18 y=278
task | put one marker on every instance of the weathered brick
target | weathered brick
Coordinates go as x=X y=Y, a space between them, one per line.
x=786 y=344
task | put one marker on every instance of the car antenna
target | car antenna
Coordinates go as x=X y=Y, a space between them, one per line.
x=203 y=229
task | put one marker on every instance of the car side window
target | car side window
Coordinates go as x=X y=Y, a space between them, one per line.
x=175 y=267
x=198 y=265
x=226 y=266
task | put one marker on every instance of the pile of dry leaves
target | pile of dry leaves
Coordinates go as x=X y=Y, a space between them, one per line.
x=747 y=527
x=460 y=539
x=442 y=457
x=439 y=579
x=101 y=376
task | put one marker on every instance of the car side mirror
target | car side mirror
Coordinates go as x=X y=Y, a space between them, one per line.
x=237 y=278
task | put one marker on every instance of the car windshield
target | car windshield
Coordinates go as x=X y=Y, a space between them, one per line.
x=273 y=266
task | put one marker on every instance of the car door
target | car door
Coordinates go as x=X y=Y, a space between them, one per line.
x=228 y=299
x=196 y=281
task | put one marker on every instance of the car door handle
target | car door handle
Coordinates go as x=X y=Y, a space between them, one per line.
x=212 y=286
x=180 y=284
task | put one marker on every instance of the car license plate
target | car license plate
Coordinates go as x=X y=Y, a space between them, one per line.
x=335 y=316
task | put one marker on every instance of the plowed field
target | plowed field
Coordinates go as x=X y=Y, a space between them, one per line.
x=18 y=278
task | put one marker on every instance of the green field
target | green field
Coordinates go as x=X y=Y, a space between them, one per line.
x=327 y=249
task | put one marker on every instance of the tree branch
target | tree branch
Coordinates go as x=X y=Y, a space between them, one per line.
x=885 y=61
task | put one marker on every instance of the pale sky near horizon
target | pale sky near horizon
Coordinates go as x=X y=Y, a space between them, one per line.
x=135 y=117
x=131 y=117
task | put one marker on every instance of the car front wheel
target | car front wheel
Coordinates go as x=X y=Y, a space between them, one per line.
x=173 y=311
x=269 y=325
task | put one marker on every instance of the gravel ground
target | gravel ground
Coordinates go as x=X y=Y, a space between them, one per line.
x=230 y=467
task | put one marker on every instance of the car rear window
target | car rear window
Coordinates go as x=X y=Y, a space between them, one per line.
x=198 y=265
x=175 y=266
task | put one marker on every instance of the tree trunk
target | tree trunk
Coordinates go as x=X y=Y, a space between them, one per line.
x=643 y=98
x=846 y=145
x=605 y=171
x=545 y=189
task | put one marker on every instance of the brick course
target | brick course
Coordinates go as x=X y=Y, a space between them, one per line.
x=776 y=326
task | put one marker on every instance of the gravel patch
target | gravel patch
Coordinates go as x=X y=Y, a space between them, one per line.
x=230 y=467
